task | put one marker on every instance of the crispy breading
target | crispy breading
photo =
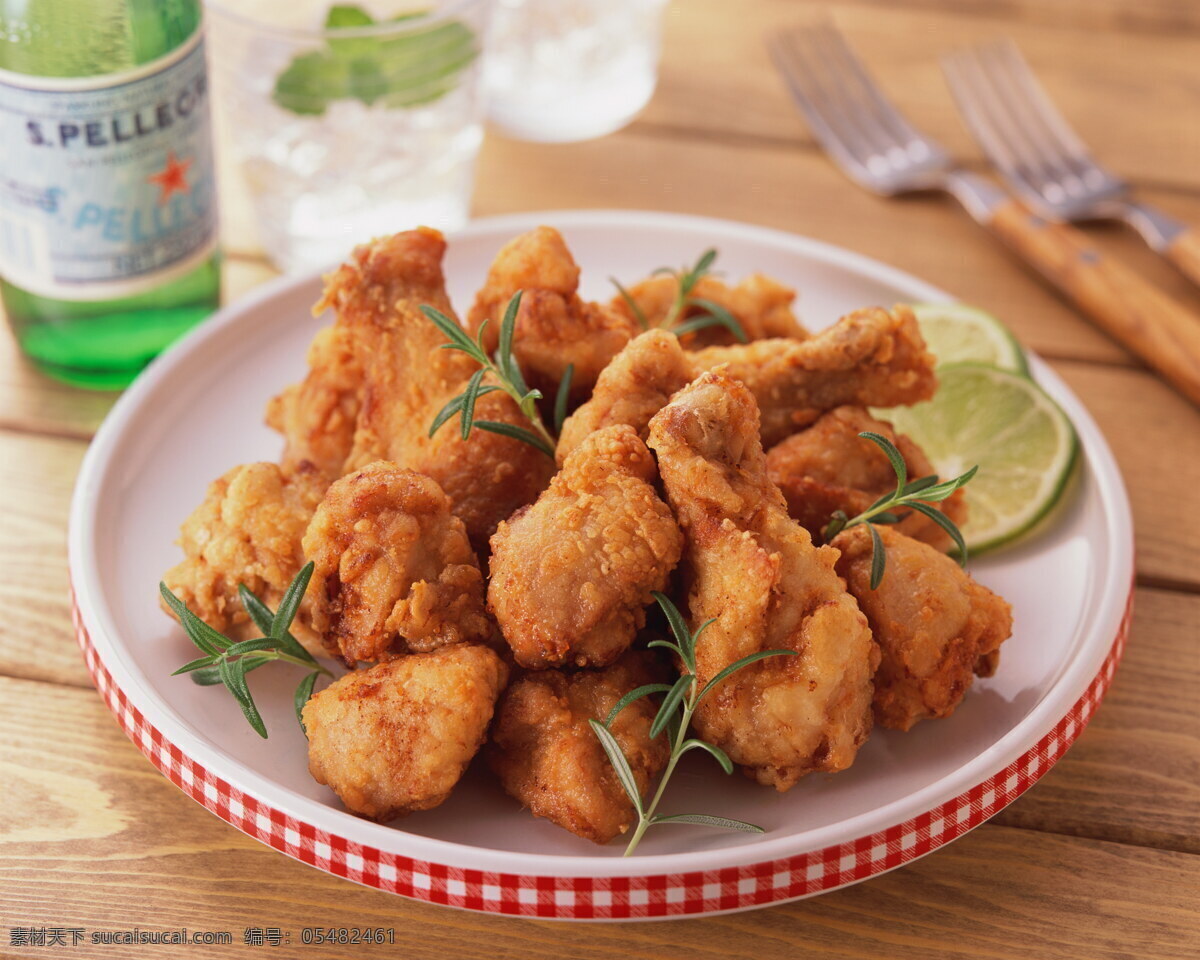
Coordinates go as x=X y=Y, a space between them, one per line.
x=554 y=327
x=547 y=756
x=934 y=624
x=829 y=467
x=317 y=416
x=247 y=530
x=408 y=378
x=571 y=575
x=871 y=357
x=397 y=737
x=631 y=390
x=761 y=305
x=755 y=570
x=394 y=571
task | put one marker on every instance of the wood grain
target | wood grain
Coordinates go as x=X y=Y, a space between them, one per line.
x=1157 y=328
x=1184 y=252
x=96 y=838
x=1102 y=81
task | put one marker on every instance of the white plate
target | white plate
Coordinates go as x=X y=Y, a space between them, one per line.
x=198 y=411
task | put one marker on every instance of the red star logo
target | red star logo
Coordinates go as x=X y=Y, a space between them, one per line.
x=172 y=178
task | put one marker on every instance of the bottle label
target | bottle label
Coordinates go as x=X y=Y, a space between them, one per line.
x=106 y=183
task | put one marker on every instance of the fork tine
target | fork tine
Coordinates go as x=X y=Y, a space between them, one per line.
x=988 y=121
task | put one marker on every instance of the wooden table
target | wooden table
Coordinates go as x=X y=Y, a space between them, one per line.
x=1100 y=859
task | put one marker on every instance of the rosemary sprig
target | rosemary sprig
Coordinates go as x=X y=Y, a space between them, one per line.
x=710 y=313
x=507 y=373
x=674 y=716
x=911 y=494
x=226 y=661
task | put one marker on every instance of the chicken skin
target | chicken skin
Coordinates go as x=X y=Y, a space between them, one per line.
x=935 y=626
x=554 y=327
x=317 y=416
x=871 y=357
x=755 y=569
x=393 y=569
x=632 y=389
x=571 y=575
x=829 y=467
x=377 y=296
x=762 y=306
x=247 y=530
x=548 y=757
x=398 y=736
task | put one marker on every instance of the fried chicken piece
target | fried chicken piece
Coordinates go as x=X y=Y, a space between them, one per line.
x=935 y=626
x=408 y=378
x=554 y=327
x=317 y=416
x=394 y=572
x=829 y=467
x=762 y=306
x=398 y=736
x=632 y=389
x=571 y=575
x=547 y=756
x=755 y=569
x=870 y=358
x=247 y=530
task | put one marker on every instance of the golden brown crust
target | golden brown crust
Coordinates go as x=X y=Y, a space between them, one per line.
x=547 y=756
x=397 y=737
x=572 y=574
x=755 y=570
x=554 y=327
x=631 y=390
x=871 y=357
x=935 y=626
x=829 y=467
x=247 y=530
x=394 y=572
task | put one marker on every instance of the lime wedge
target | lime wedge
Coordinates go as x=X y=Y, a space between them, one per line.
x=1024 y=444
x=957 y=333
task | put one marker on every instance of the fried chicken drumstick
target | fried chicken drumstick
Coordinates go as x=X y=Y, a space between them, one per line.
x=755 y=569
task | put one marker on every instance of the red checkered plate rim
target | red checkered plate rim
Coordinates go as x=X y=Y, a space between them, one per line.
x=591 y=887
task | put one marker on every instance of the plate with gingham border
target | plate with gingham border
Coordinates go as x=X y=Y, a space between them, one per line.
x=197 y=411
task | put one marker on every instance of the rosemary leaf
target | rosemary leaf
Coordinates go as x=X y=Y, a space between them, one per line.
x=721 y=756
x=878 y=557
x=517 y=433
x=671 y=703
x=470 y=395
x=709 y=821
x=631 y=304
x=619 y=764
x=946 y=524
x=561 y=398
x=738 y=664
x=714 y=315
x=636 y=694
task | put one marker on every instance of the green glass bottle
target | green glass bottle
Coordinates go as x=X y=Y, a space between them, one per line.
x=107 y=199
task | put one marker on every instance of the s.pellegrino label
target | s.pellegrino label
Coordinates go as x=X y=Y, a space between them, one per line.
x=106 y=183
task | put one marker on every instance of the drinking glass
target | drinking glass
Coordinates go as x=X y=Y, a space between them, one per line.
x=348 y=124
x=562 y=70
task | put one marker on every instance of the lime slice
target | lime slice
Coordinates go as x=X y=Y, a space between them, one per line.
x=1024 y=444
x=957 y=333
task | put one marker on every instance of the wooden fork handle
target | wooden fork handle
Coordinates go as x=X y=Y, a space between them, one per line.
x=1160 y=330
x=1184 y=252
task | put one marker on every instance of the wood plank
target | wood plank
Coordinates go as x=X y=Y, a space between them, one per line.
x=1147 y=16
x=1134 y=775
x=32 y=402
x=1125 y=92
x=92 y=836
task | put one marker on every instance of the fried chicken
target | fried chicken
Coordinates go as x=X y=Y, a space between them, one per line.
x=397 y=737
x=754 y=569
x=547 y=756
x=935 y=626
x=247 y=530
x=408 y=379
x=829 y=467
x=762 y=306
x=871 y=357
x=394 y=572
x=554 y=327
x=571 y=575
x=317 y=416
x=632 y=389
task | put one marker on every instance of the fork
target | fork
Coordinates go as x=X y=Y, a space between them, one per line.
x=878 y=149
x=1043 y=160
